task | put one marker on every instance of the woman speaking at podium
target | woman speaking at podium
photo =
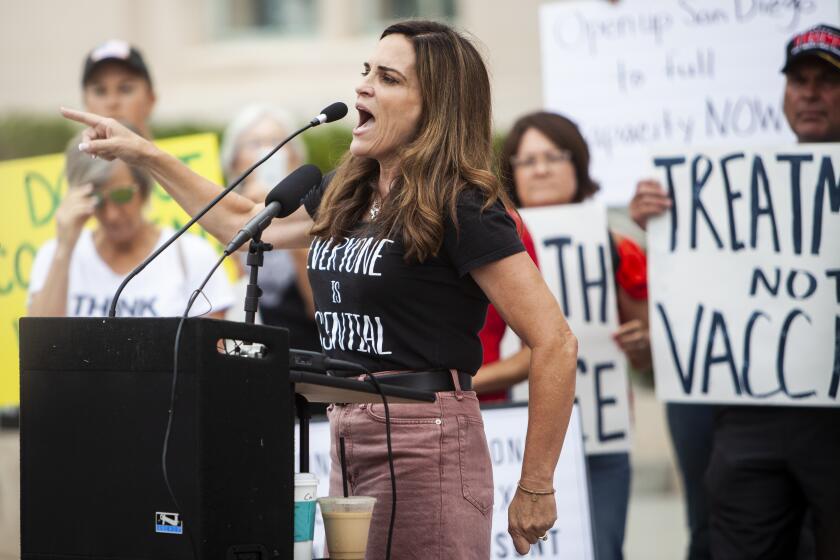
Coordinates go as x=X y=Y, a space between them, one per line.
x=409 y=241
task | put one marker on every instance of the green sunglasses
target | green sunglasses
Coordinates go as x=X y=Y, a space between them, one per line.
x=118 y=195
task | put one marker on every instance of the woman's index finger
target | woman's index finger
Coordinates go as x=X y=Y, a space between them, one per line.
x=89 y=119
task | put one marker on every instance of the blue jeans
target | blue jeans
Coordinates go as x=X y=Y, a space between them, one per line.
x=692 y=428
x=609 y=482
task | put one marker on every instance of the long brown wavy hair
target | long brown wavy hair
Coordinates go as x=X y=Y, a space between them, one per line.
x=451 y=151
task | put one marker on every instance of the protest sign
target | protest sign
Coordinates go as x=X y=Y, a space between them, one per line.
x=575 y=260
x=639 y=73
x=571 y=536
x=32 y=189
x=745 y=276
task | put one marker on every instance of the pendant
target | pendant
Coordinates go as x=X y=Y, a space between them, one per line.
x=374 y=209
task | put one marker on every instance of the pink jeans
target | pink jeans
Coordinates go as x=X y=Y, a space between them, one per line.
x=443 y=473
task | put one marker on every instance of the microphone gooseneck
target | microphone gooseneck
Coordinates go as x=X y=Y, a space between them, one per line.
x=330 y=113
x=281 y=201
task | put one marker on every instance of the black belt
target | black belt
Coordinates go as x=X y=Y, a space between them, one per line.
x=434 y=380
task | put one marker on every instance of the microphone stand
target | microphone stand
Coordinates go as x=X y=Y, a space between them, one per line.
x=252 y=303
x=253 y=291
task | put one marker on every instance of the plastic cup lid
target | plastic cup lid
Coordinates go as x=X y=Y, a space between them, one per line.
x=305 y=478
x=349 y=504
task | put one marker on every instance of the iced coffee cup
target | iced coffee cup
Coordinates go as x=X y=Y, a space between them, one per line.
x=346 y=523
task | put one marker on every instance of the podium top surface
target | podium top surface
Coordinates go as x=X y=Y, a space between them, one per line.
x=142 y=345
x=319 y=388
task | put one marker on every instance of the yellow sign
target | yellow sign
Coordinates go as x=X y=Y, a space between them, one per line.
x=32 y=190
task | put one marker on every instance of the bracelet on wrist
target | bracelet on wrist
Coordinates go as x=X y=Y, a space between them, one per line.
x=535 y=493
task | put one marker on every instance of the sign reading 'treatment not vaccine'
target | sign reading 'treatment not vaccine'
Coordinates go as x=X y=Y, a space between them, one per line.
x=745 y=276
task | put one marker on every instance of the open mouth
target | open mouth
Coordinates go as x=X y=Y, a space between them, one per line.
x=366 y=121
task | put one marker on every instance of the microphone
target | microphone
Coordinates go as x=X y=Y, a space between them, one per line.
x=316 y=362
x=328 y=114
x=283 y=199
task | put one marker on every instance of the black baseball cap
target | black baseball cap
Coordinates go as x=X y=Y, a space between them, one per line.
x=115 y=50
x=821 y=41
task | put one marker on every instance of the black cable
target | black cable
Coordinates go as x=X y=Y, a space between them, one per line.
x=166 y=437
x=390 y=463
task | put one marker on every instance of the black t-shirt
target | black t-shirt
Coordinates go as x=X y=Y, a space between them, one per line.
x=377 y=310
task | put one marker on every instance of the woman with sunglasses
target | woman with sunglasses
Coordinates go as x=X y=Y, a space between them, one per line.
x=77 y=273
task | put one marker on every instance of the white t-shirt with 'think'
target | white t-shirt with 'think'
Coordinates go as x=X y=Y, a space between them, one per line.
x=162 y=289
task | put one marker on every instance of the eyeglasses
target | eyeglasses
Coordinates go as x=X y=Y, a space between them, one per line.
x=548 y=159
x=118 y=195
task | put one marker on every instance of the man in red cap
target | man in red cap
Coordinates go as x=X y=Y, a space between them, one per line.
x=771 y=464
x=812 y=89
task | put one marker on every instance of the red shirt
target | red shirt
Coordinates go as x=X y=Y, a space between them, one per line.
x=632 y=269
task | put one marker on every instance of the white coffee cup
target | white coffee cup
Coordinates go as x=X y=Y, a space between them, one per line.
x=306 y=488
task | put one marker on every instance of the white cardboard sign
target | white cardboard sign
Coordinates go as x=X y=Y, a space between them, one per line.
x=745 y=276
x=571 y=536
x=640 y=73
x=575 y=261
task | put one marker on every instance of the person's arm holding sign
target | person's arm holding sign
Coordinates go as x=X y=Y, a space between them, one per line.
x=633 y=335
x=503 y=374
x=108 y=139
x=515 y=287
x=650 y=200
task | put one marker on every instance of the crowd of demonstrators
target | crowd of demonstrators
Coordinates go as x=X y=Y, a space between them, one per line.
x=545 y=162
x=757 y=478
x=77 y=273
x=761 y=469
x=418 y=181
x=286 y=299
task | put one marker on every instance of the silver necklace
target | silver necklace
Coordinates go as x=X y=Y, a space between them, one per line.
x=375 y=208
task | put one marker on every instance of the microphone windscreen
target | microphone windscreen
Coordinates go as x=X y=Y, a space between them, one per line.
x=293 y=188
x=335 y=111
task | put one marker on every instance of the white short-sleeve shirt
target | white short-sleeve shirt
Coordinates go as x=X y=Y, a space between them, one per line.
x=162 y=289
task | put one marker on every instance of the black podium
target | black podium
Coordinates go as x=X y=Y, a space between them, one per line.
x=95 y=397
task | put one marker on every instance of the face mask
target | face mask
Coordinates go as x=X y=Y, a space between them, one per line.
x=274 y=169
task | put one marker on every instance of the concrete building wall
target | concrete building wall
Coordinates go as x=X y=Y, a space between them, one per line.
x=202 y=75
